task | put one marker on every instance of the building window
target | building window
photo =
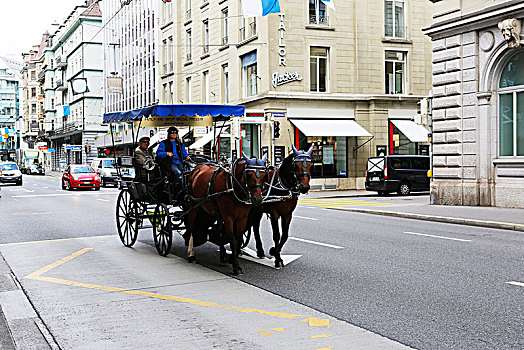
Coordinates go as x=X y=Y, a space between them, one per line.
x=33 y=108
x=248 y=28
x=249 y=74
x=165 y=93
x=225 y=30
x=33 y=92
x=164 y=44
x=171 y=93
x=225 y=83
x=318 y=69
x=205 y=86
x=33 y=75
x=511 y=108
x=395 y=18
x=317 y=12
x=171 y=50
x=189 y=90
x=395 y=72
x=205 y=36
x=250 y=143
x=188 y=44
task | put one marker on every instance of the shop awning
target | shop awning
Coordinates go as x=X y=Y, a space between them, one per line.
x=181 y=110
x=204 y=140
x=330 y=127
x=413 y=131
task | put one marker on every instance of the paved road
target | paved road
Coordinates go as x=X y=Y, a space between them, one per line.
x=424 y=284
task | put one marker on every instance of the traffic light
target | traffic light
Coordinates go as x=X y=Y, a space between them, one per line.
x=86 y=148
x=276 y=129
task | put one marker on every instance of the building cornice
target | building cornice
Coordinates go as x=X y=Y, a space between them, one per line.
x=329 y=97
x=476 y=19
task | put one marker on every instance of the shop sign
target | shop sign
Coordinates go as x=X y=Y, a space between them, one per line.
x=287 y=77
x=34 y=126
x=342 y=173
x=51 y=150
x=254 y=114
x=114 y=85
x=278 y=115
x=156 y=121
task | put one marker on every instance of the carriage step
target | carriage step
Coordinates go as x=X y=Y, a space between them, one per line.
x=146 y=226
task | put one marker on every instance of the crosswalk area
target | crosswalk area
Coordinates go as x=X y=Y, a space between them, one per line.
x=339 y=202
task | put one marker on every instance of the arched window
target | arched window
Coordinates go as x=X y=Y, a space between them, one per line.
x=511 y=107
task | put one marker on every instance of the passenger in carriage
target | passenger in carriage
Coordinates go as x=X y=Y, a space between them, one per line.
x=170 y=154
x=143 y=161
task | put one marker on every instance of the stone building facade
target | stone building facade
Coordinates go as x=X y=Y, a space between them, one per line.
x=338 y=79
x=478 y=103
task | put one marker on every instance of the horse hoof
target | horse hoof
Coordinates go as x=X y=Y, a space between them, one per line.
x=261 y=254
x=191 y=259
x=272 y=251
x=279 y=264
x=237 y=272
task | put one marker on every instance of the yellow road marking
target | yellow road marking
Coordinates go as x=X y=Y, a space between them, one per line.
x=37 y=275
x=320 y=336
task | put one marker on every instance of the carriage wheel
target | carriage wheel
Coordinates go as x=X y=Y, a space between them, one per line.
x=245 y=239
x=127 y=218
x=162 y=230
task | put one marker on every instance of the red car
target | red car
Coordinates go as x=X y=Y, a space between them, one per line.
x=80 y=176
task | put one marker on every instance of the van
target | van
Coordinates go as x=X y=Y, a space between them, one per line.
x=397 y=173
x=108 y=173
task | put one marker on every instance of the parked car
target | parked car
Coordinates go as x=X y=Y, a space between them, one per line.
x=107 y=170
x=80 y=176
x=397 y=173
x=9 y=172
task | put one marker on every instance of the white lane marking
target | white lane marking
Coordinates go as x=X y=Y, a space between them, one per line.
x=304 y=217
x=442 y=237
x=520 y=284
x=317 y=243
x=103 y=200
x=45 y=195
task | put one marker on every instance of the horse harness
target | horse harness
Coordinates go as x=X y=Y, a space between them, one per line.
x=304 y=158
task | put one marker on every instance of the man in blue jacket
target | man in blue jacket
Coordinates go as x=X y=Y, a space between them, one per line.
x=170 y=154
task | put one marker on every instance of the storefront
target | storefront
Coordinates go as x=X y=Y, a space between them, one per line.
x=406 y=136
x=328 y=131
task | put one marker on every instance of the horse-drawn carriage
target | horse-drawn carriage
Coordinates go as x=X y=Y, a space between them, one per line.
x=216 y=202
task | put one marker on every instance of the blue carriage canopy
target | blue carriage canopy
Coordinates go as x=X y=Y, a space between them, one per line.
x=187 y=111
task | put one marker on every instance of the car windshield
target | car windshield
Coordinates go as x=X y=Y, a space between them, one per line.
x=108 y=163
x=9 y=166
x=85 y=169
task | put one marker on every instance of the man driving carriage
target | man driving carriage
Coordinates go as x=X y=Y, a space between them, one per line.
x=170 y=154
x=144 y=161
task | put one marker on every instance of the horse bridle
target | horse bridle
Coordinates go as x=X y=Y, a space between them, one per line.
x=304 y=158
x=257 y=169
x=249 y=167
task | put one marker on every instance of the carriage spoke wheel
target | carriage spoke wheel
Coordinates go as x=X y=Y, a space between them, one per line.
x=162 y=230
x=127 y=218
x=245 y=239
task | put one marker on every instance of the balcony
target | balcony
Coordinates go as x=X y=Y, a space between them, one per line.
x=68 y=127
x=60 y=86
x=320 y=20
x=59 y=62
x=41 y=76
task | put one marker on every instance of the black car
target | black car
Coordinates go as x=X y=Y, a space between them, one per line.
x=397 y=173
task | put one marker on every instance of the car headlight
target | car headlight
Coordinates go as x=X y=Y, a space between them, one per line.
x=97 y=177
x=75 y=177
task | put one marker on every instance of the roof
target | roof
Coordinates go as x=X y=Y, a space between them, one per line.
x=93 y=10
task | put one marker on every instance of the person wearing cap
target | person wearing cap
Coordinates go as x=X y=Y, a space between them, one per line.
x=170 y=154
x=144 y=160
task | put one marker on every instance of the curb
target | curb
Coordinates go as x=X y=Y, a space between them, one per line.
x=20 y=322
x=444 y=219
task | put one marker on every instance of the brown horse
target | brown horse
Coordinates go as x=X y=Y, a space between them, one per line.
x=282 y=188
x=224 y=197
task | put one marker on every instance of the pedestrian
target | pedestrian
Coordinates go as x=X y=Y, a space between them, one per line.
x=170 y=154
x=144 y=161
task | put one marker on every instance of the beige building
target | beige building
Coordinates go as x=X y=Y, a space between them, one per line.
x=478 y=89
x=346 y=81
